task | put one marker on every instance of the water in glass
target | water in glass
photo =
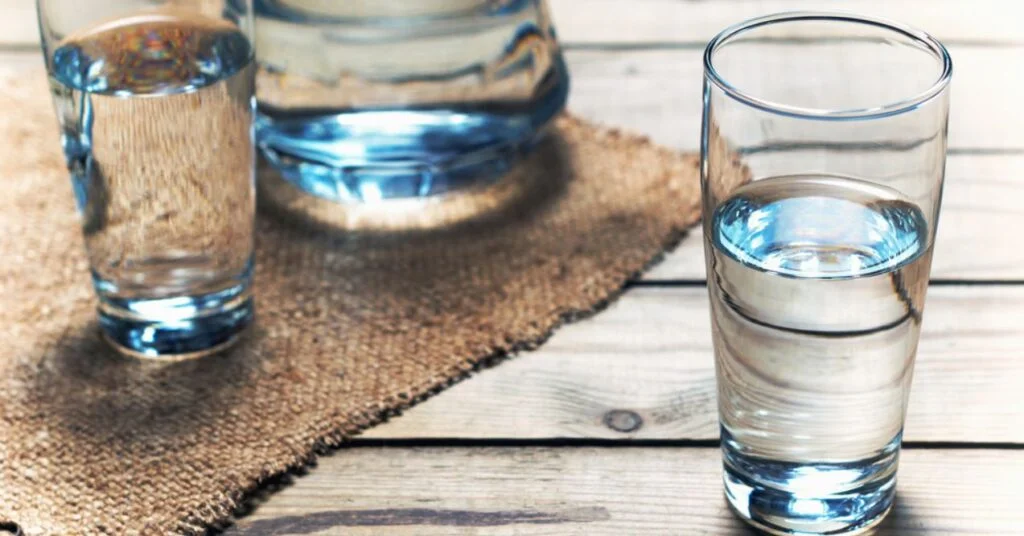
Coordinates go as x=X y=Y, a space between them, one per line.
x=156 y=118
x=817 y=285
x=365 y=101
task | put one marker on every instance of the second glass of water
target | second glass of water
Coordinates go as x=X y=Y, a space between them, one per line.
x=362 y=101
x=818 y=264
x=155 y=105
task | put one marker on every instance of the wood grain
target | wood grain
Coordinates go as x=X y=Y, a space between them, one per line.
x=568 y=391
x=21 y=61
x=643 y=91
x=694 y=22
x=18 y=26
x=644 y=369
x=681 y=21
x=983 y=197
x=595 y=492
x=658 y=92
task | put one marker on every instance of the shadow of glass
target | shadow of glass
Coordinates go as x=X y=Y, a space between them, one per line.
x=902 y=519
x=357 y=276
x=92 y=390
x=373 y=274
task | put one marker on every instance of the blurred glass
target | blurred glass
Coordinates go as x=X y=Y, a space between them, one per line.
x=155 y=104
x=371 y=100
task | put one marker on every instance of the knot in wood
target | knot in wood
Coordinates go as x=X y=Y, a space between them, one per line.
x=623 y=420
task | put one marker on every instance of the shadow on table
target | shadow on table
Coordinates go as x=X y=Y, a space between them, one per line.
x=902 y=519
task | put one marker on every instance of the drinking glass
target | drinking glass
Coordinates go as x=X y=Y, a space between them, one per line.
x=365 y=101
x=818 y=262
x=155 y=105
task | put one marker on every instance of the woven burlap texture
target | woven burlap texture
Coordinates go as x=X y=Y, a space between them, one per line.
x=351 y=327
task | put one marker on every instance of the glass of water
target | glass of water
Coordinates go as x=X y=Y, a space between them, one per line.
x=155 y=105
x=363 y=101
x=818 y=264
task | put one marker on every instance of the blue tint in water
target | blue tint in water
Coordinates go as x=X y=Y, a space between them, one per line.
x=148 y=57
x=401 y=100
x=801 y=499
x=817 y=286
x=791 y=229
x=167 y=221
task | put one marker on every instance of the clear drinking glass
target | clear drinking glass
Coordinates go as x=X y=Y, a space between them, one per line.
x=155 y=105
x=818 y=264
x=374 y=100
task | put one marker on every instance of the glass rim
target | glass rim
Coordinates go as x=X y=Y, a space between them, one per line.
x=884 y=110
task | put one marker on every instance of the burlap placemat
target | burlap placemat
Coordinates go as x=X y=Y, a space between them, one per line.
x=351 y=327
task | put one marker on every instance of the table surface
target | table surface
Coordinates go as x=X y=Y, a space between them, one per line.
x=611 y=427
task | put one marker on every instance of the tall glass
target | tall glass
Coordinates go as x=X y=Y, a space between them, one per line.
x=818 y=260
x=155 y=105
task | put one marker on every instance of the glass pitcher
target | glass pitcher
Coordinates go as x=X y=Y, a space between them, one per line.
x=370 y=100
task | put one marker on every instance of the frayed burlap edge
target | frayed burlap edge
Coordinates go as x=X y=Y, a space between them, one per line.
x=219 y=510
x=221 y=515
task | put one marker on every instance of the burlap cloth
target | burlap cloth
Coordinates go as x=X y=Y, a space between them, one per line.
x=351 y=327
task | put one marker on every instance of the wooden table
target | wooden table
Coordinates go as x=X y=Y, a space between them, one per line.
x=610 y=428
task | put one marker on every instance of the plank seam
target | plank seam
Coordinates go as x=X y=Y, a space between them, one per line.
x=574 y=442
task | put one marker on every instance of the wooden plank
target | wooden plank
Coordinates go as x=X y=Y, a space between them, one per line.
x=674 y=21
x=643 y=369
x=983 y=197
x=21 y=62
x=643 y=91
x=680 y=21
x=18 y=25
x=658 y=92
x=568 y=393
x=595 y=492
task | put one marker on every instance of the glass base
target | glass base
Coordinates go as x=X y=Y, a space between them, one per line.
x=804 y=499
x=176 y=328
x=366 y=156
